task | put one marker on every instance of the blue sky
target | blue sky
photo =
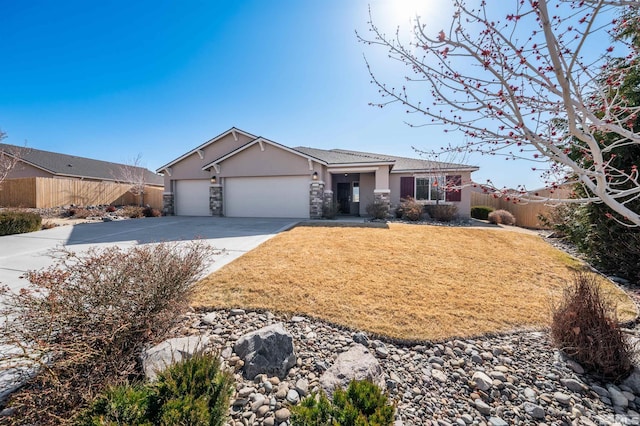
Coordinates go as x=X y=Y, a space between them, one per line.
x=115 y=79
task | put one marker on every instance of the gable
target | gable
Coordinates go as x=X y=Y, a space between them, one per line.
x=263 y=159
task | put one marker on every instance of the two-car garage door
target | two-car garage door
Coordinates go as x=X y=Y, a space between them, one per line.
x=273 y=196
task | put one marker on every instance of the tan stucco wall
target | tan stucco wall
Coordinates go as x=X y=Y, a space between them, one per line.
x=382 y=178
x=367 y=185
x=191 y=166
x=273 y=161
x=464 y=205
x=22 y=170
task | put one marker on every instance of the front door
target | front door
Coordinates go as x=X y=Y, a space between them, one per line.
x=344 y=197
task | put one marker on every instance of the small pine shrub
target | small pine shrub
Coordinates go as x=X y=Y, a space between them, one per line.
x=195 y=392
x=17 y=222
x=442 y=212
x=481 y=212
x=410 y=209
x=151 y=212
x=585 y=327
x=362 y=404
x=120 y=405
x=110 y=209
x=501 y=217
x=378 y=209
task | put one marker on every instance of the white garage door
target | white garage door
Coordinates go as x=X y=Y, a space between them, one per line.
x=275 y=196
x=192 y=198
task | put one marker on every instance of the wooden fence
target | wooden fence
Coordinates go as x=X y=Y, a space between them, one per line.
x=526 y=214
x=41 y=192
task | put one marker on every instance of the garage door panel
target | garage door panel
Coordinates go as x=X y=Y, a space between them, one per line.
x=192 y=198
x=274 y=196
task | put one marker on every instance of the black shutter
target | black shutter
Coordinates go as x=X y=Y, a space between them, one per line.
x=406 y=187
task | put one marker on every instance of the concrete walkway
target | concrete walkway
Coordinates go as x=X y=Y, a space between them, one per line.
x=32 y=251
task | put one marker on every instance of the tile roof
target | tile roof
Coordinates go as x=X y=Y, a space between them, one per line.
x=343 y=156
x=73 y=166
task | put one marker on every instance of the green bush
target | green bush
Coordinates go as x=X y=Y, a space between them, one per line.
x=120 y=405
x=585 y=327
x=481 y=212
x=442 y=212
x=378 y=209
x=362 y=404
x=409 y=209
x=192 y=392
x=15 y=222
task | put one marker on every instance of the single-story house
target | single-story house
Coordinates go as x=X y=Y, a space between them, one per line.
x=237 y=174
x=38 y=163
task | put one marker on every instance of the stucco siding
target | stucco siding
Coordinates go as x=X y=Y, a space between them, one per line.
x=22 y=170
x=367 y=185
x=273 y=161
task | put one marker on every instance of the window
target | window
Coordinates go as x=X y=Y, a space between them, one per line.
x=356 y=192
x=430 y=188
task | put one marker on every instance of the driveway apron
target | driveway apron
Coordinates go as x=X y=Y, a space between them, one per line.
x=234 y=236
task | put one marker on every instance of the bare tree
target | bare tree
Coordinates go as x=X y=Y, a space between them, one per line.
x=9 y=158
x=132 y=173
x=522 y=79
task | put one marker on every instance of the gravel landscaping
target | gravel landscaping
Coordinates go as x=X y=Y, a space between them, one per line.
x=508 y=379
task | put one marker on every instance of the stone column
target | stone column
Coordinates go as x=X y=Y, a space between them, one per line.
x=316 y=190
x=328 y=200
x=215 y=200
x=383 y=196
x=167 y=204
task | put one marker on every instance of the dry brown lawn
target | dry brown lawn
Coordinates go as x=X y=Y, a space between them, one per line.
x=403 y=281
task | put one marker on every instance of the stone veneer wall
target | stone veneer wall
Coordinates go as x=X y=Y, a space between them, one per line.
x=316 y=193
x=215 y=200
x=328 y=199
x=167 y=204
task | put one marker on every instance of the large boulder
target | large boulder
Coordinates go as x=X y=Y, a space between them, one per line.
x=161 y=356
x=355 y=364
x=266 y=351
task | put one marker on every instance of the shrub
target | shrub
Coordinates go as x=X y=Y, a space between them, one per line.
x=362 y=404
x=17 y=222
x=79 y=212
x=585 y=327
x=330 y=210
x=442 y=212
x=110 y=209
x=481 y=212
x=133 y=212
x=151 y=212
x=378 y=209
x=89 y=316
x=501 y=217
x=191 y=392
x=120 y=405
x=410 y=209
x=194 y=392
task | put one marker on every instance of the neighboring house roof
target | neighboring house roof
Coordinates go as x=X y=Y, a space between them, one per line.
x=77 y=167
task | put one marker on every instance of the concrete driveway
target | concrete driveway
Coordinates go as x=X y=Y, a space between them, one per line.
x=32 y=251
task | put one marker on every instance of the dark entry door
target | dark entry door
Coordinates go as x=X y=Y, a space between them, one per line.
x=344 y=197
